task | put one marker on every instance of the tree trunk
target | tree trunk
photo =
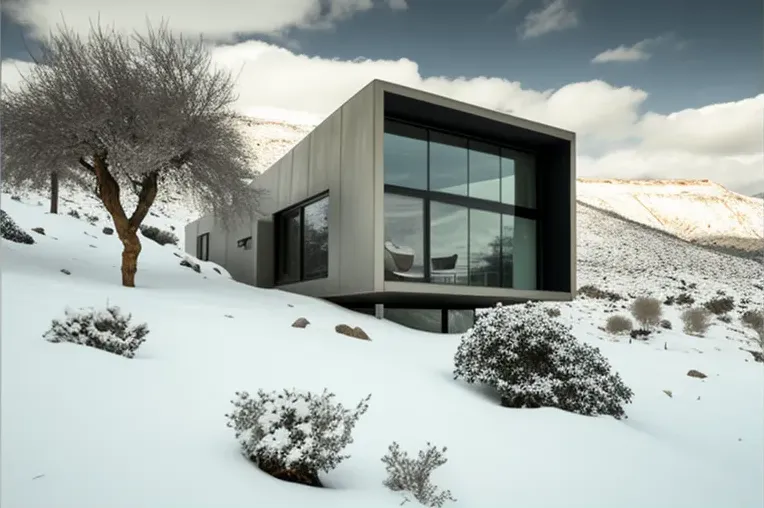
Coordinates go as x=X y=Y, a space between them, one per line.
x=54 y=192
x=127 y=229
x=130 y=251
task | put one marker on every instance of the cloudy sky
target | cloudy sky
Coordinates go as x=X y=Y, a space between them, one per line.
x=654 y=89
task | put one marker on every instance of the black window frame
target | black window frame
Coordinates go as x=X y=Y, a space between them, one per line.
x=203 y=240
x=277 y=232
x=427 y=196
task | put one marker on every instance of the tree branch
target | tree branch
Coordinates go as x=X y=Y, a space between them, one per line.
x=86 y=165
x=145 y=199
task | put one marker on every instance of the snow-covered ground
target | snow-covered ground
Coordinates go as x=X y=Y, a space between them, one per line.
x=86 y=429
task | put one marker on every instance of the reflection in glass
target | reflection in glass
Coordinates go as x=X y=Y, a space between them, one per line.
x=289 y=234
x=485 y=171
x=448 y=163
x=316 y=240
x=519 y=253
x=485 y=248
x=405 y=155
x=428 y=320
x=518 y=178
x=448 y=244
x=459 y=321
x=404 y=238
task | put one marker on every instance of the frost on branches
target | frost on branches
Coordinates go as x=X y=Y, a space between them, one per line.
x=106 y=329
x=294 y=435
x=413 y=475
x=533 y=360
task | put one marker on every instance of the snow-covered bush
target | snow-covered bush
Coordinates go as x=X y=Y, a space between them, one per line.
x=720 y=306
x=106 y=329
x=294 y=435
x=10 y=231
x=533 y=360
x=696 y=321
x=754 y=319
x=647 y=311
x=596 y=293
x=618 y=324
x=160 y=236
x=405 y=474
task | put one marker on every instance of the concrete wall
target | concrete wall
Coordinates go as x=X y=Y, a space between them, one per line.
x=338 y=156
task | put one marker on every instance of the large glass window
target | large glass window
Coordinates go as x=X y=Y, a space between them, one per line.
x=448 y=243
x=485 y=171
x=448 y=163
x=458 y=210
x=303 y=242
x=485 y=248
x=316 y=240
x=518 y=179
x=405 y=155
x=519 y=253
x=404 y=238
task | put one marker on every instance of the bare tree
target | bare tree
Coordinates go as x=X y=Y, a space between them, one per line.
x=141 y=112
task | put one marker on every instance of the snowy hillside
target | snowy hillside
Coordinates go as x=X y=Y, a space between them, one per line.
x=83 y=428
x=695 y=210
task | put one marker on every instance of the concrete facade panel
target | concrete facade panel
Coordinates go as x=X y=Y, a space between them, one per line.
x=357 y=241
x=300 y=171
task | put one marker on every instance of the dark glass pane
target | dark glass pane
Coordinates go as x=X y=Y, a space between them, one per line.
x=316 y=240
x=518 y=178
x=405 y=153
x=404 y=238
x=289 y=246
x=448 y=244
x=448 y=163
x=485 y=171
x=485 y=248
x=428 y=320
x=459 y=321
x=519 y=253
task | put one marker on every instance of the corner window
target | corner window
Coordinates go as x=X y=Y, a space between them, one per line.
x=302 y=242
x=203 y=247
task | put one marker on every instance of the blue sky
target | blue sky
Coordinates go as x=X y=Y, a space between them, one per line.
x=711 y=52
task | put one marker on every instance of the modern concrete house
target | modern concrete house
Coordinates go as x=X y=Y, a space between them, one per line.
x=414 y=207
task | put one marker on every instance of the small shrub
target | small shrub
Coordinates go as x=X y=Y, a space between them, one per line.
x=725 y=318
x=160 y=236
x=533 y=360
x=10 y=231
x=669 y=301
x=91 y=218
x=720 y=306
x=107 y=329
x=553 y=312
x=618 y=324
x=647 y=311
x=640 y=333
x=413 y=475
x=74 y=213
x=666 y=324
x=685 y=299
x=696 y=321
x=293 y=435
x=754 y=319
x=596 y=293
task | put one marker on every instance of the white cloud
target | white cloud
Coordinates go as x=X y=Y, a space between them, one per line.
x=722 y=142
x=555 y=16
x=635 y=53
x=398 y=5
x=219 y=19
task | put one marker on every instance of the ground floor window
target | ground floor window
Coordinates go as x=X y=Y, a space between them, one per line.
x=203 y=247
x=302 y=241
x=433 y=320
x=445 y=240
